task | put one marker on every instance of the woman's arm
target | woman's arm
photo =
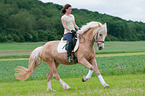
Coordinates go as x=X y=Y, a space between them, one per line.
x=64 y=25
x=75 y=25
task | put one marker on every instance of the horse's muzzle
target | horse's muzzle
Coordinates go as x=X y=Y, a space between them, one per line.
x=100 y=48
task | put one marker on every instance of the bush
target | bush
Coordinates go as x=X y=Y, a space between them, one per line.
x=35 y=36
x=10 y=37
x=111 y=38
x=42 y=35
x=3 y=38
x=16 y=38
x=22 y=39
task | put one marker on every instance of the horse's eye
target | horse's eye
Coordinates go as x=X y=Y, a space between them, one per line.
x=100 y=34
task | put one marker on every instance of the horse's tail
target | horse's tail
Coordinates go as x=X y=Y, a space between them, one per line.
x=22 y=72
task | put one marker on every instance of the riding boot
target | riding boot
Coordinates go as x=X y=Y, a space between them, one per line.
x=69 y=51
x=69 y=59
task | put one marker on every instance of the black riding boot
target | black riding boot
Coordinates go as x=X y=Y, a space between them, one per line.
x=69 y=51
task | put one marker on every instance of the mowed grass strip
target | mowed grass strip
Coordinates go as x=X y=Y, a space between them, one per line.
x=97 y=55
x=14 y=59
x=123 y=85
x=110 y=47
x=120 y=54
x=122 y=47
x=23 y=50
x=20 y=46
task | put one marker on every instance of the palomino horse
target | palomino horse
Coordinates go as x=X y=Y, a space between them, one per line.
x=89 y=33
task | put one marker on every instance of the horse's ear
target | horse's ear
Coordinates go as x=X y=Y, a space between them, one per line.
x=99 y=25
x=105 y=24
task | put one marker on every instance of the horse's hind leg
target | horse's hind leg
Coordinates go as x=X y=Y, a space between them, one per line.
x=49 y=76
x=54 y=73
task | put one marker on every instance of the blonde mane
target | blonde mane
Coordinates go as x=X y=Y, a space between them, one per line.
x=84 y=28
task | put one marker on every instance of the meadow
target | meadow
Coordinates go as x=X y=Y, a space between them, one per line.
x=123 y=85
x=121 y=64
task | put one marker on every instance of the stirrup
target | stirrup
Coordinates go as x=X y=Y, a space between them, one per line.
x=69 y=59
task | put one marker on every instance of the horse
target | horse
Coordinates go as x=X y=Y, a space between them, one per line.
x=89 y=34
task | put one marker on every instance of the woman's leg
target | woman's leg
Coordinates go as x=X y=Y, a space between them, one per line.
x=68 y=37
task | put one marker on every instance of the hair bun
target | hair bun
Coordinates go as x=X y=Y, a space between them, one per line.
x=63 y=11
x=65 y=7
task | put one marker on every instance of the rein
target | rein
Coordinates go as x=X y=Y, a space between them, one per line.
x=90 y=40
x=85 y=38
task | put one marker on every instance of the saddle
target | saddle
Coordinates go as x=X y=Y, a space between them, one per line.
x=62 y=47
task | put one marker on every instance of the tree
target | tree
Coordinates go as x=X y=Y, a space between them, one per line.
x=32 y=20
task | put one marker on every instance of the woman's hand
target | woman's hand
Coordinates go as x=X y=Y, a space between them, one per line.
x=73 y=31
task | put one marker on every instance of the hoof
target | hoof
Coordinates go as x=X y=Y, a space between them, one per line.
x=66 y=87
x=106 y=86
x=51 y=90
x=84 y=79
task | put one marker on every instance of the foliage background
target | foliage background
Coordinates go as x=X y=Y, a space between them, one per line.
x=32 y=20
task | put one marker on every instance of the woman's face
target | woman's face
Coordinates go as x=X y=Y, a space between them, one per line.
x=68 y=10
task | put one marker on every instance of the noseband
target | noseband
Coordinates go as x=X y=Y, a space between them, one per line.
x=96 y=41
x=99 y=41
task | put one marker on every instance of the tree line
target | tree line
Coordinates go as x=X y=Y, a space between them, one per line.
x=33 y=20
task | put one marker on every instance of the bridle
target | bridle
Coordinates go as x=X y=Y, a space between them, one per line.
x=96 y=41
x=94 y=35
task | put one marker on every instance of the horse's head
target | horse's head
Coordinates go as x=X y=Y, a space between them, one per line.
x=99 y=35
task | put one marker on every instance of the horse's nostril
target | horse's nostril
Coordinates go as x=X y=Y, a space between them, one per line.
x=100 y=48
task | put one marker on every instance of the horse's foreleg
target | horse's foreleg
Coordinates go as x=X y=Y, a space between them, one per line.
x=85 y=78
x=87 y=64
x=98 y=73
x=54 y=73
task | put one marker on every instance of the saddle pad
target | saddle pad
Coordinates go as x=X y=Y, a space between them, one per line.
x=61 y=46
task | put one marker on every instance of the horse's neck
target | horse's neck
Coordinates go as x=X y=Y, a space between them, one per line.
x=88 y=39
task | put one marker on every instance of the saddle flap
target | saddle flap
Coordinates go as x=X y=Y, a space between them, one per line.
x=62 y=44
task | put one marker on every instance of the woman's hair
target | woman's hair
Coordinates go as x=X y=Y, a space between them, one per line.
x=65 y=7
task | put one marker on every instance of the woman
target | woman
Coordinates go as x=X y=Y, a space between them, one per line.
x=68 y=22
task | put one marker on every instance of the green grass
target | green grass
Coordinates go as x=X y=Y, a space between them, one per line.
x=20 y=46
x=116 y=46
x=124 y=73
x=124 y=85
x=110 y=48
x=123 y=47
x=18 y=50
x=118 y=65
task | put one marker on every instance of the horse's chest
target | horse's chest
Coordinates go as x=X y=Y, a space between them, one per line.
x=88 y=55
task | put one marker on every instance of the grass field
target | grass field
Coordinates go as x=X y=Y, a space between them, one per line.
x=121 y=64
x=124 y=85
x=13 y=49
